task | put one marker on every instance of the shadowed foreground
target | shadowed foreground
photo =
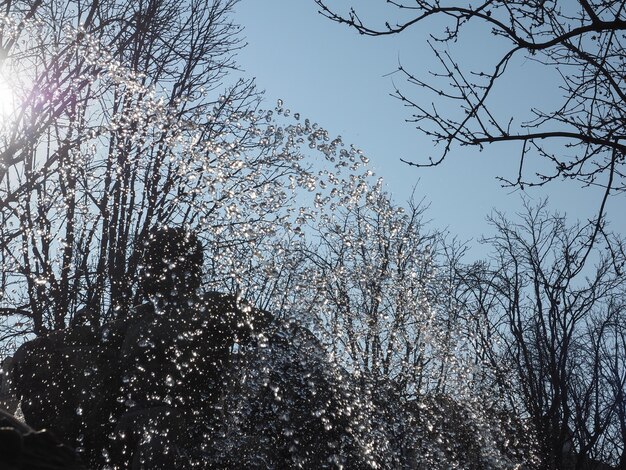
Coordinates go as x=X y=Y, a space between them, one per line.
x=204 y=380
x=185 y=380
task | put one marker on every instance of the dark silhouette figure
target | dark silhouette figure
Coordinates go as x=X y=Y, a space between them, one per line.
x=186 y=379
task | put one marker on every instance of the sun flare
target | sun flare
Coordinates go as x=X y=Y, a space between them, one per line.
x=7 y=99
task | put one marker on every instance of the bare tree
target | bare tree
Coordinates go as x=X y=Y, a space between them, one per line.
x=353 y=276
x=549 y=331
x=126 y=118
x=378 y=290
x=581 y=138
x=104 y=91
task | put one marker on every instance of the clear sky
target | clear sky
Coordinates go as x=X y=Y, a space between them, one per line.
x=341 y=80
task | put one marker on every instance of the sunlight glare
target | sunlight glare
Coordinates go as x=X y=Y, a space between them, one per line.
x=7 y=100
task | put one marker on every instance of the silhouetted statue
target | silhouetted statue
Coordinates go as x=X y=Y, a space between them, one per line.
x=187 y=379
x=174 y=353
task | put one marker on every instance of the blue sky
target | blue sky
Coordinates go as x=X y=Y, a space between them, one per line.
x=341 y=80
